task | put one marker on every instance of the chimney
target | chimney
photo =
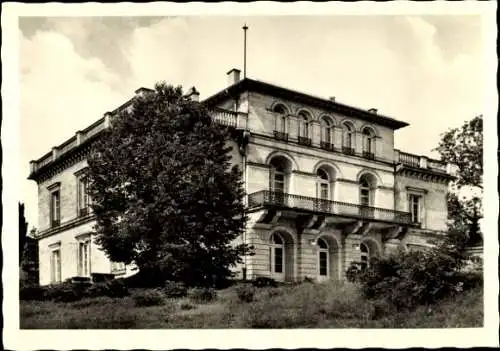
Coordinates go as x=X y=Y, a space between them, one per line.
x=193 y=94
x=373 y=110
x=332 y=98
x=233 y=76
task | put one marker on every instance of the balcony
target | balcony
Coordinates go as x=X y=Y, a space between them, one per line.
x=326 y=146
x=266 y=198
x=224 y=117
x=280 y=135
x=304 y=141
x=347 y=150
x=420 y=162
x=368 y=155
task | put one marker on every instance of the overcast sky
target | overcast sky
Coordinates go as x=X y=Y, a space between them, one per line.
x=425 y=70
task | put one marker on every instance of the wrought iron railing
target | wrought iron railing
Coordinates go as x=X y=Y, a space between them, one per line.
x=369 y=155
x=280 y=135
x=347 y=150
x=326 y=145
x=304 y=141
x=270 y=198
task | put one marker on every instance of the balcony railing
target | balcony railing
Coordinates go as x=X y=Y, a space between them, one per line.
x=326 y=145
x=347 y=150
x=280 y=135
x=304 y=141
x=368 y=155
x=273 y=198
x=409 y=159
x=224 y=117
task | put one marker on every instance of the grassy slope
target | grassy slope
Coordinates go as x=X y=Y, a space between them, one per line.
x=302 y=306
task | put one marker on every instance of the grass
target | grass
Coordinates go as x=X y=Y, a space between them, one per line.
x=306 y=305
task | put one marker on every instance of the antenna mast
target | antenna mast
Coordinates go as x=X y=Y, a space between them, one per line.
x=245 y=51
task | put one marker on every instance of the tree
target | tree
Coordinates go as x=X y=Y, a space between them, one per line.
x=464 y=147
x=29 y=263
x=164 y=193
x=23 y=230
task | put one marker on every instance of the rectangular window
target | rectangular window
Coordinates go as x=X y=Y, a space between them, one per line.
x=323 y=263
x=83 y=198
x=84 y=258
x=414 y=204
x=55 y=266
x=55 y=208
x=278 y=260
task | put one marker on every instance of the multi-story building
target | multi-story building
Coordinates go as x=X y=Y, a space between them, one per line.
x=325 y=187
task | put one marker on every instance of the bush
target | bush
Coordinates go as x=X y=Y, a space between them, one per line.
x=32 y=292
x=145 y=298
x=202 y=294
x=308 y=280
x=245 y=293
x=65 y=292
x=261 y=282
x=187 y=306
x=353 y=272
x=408 y=279
x=174 y=289
x=115 y=288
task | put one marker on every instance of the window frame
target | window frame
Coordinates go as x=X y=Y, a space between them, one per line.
x=272 y=257
x=55 y=270
x=326 y=251
x=84 y=267
x=54 y=211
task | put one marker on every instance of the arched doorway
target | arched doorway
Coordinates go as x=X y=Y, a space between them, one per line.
x=367 y=186
x=279 y=178
x=328 y=267
x=281 y=256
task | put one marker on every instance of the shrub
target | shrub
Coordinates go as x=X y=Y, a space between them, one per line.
x=410 y=279
x=353 y=272
x=115 y=288
x=245 y=293
x=174 y=289
x=308 y=280
x=32 y=292
x=187 y=306
x=65 y=292
x=202 y=294
x=150 y=297
x=261 y=282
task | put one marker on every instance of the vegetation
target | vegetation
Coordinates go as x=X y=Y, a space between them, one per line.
x=173 y=225
x=464 y=147
x=326 y=305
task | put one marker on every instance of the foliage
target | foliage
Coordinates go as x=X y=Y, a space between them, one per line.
x=65 y=292
x=115 y=288
x=245 y=292
x=409 y=279
x=32 y=292
x=150 y=297
x=352 y=273
x=261 y=282
x=464 y=147
x=23 y=230
x=174 y=289
x=29 y=263
x=164 y=193
x=186 y=306
x=202 y=295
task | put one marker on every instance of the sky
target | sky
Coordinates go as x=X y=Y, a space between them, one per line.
x=425 y=70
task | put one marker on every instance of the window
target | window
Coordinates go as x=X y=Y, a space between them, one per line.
x=368 y=143
x=84 y=258
x=347 y=139
x=55 y=266
x=83 y=197
x=326 y=133
x=414 y=204
x=277 y=257
x=365 y=256
x=303 y=125
x=364 y=193
x=281 y=120
x=323 y=258
x=55 y=208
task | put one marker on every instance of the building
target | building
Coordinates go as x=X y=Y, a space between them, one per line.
x=326 y=187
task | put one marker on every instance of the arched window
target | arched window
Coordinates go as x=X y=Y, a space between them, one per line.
x=323 y=258
x=278 y=175
x=277 y=254
x=326 y=131
x=348 y=139
x=364 y=256
x=281 y=120
x=303 y=125
x=368 y=143
x=323 y=184
x=364 y=193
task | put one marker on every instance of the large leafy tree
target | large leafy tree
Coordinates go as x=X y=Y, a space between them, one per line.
x=165 y=193
x=463 y=146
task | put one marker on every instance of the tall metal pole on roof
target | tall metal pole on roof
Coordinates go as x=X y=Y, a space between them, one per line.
x=245 y=51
